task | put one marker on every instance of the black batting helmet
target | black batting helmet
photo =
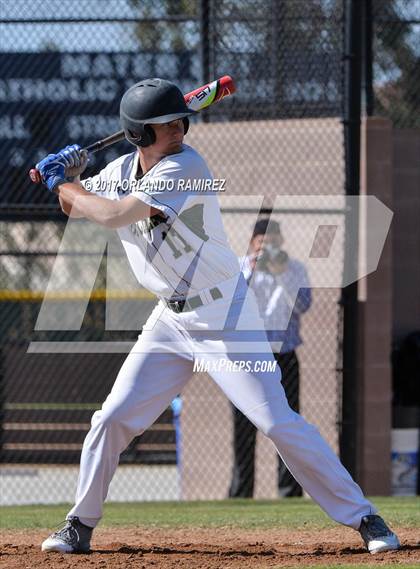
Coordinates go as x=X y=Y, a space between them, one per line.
x=152 y=101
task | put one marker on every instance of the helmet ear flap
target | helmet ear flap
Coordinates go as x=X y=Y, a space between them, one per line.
x=133 y=137
x=148 y=137
x=144 y=136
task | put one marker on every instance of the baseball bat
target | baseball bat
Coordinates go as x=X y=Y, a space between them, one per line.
x=196 y=100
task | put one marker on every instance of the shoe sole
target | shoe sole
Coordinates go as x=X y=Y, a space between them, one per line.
x=385 y=547
x=61 y=548
x=57 y=548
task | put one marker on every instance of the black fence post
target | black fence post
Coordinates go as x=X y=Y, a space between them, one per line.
x=367 y=81
x=352 y=111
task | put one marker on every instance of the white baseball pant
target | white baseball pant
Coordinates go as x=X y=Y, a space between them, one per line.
x=156 y=370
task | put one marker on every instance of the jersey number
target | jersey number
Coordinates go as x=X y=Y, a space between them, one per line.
x=194 y=220
x=170 y=240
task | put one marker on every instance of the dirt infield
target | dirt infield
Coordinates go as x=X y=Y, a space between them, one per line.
x=205 y=549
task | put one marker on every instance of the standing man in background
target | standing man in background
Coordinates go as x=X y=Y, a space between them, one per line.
x=275 y=279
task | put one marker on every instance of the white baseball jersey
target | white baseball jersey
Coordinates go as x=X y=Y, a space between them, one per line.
x=186 y=249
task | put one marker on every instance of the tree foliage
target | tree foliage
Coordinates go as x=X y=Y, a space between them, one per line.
x=397 y=61
x=170 y=33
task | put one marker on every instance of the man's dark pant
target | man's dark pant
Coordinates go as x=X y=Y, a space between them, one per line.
x=244 y=439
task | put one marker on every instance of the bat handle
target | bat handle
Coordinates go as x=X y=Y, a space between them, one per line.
x=35 y=176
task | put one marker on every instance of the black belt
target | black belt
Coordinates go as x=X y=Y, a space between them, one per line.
x=191 y=303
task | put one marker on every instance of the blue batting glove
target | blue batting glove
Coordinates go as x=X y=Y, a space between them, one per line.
x=52 y=171
x=75 y=160
x=71 y=156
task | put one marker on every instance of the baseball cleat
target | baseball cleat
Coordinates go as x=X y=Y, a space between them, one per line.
x=74 y=537
x=377 y=535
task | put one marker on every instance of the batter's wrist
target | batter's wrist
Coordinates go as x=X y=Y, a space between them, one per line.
x=53 y=183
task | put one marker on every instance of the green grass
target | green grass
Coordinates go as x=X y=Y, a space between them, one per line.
x=248 y=514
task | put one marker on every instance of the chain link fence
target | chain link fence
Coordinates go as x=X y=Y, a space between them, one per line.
x=64 y=68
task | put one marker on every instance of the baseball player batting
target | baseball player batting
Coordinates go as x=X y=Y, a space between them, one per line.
x=177 y=248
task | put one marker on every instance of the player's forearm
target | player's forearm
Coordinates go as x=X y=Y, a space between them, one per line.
x=66 y=198
x=80 y=203
x=109 y=213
